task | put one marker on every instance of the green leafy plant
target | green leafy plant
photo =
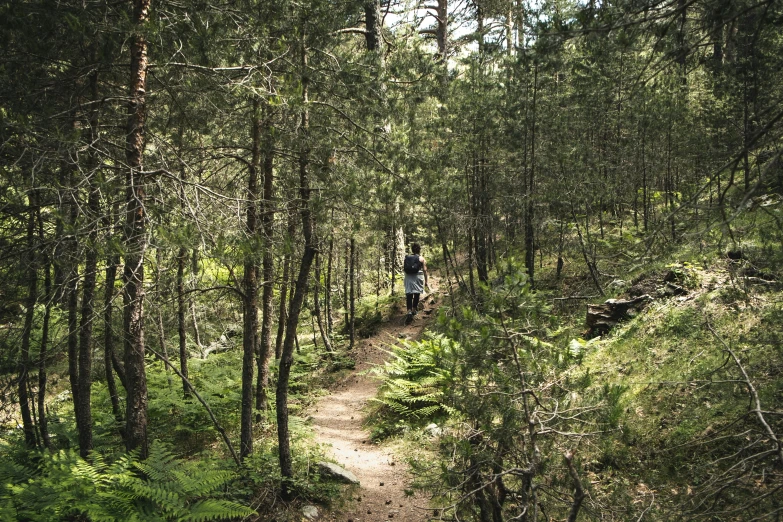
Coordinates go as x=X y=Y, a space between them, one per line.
x=414 y=381
x=578 y=347
x=63 y=486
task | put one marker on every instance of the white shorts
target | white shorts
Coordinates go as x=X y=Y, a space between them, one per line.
x=414 y=283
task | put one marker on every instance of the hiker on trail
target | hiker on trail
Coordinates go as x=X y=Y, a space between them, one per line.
x=415 y=268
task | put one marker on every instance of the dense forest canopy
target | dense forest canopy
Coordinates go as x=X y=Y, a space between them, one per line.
x=188 y=188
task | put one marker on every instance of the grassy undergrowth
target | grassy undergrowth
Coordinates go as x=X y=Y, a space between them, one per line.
x=675 y=414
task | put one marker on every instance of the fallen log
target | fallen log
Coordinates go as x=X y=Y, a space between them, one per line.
x=603 y=317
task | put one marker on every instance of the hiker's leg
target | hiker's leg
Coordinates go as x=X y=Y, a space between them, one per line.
x=409 y=301
x=415 y=302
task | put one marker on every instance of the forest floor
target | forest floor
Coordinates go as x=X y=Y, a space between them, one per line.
x=338 y=419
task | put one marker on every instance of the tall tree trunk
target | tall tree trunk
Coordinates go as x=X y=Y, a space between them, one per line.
x=328 y=290
x=268 y=217
x=71 y=275
x=530 y=254
x=84 y=411
x=24 y=359
x=43 y=425
x=136 y=239
x=373 y=22
x=109 y=356
x=164 y=351
x=283 y=315
x=250 y=289
x=182 y=256
x=442 y=34
x=645 y=198
x=346 y=291
x=182 y=259
x=352 y=297
x=393 y=260
x=287 y=356
x=317 y=304
x=482 y=218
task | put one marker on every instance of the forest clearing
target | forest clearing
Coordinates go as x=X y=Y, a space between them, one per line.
x=216 y=220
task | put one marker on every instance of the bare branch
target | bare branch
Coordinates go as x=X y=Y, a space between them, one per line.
x=757 y=410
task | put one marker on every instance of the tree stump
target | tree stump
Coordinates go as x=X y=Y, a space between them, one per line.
x=603 y=317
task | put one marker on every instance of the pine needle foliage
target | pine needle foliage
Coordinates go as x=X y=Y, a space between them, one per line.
x=63 y=486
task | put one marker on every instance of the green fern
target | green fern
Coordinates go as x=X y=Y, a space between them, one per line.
x=162 y=487
x=415 y=378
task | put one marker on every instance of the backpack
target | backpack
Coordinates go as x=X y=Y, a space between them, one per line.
x=412 y=264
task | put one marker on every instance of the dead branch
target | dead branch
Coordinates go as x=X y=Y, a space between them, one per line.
x=218 y=427
x=579 y=493
x=752 y=389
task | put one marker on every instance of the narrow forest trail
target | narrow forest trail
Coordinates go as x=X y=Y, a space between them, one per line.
x=338 y=418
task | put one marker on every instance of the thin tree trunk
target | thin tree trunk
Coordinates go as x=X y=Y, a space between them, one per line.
x=346 y=292
x=265 y=343
x=108 y=337
x=393 y=263
x=328 y=289
x=181 y=330
x=590 y=265
x=84 y=411
x=352 y=299
x=72 y=301
x=287 y=359
x=194 y=267
x=645 y=215
x=136 y=240
x=317 y=304
x=196 y=333
x=161 y=330
x=24 y=359
x=445 y=252
x=250 y=289
x=182 y=259
x=43 y=425
x=283 y=315
x=529 y=208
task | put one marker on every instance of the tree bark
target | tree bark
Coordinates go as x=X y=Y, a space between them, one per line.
x=24 y=360
x=250 y=289
x=328 y=290
x=108 y=336
x=373 y=23
x=287 y=356
x=182 y=259
x=317 y=305
x=136 y=239
x=352 y=297
x=283 y=315
x=265 y=343
x=530 y=253
x=43 y=425
x=84 y=411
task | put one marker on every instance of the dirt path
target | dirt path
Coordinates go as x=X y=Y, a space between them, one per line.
x=338 y=419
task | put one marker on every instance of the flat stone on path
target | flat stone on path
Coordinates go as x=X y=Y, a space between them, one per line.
x=310 y=512
x=336 y=472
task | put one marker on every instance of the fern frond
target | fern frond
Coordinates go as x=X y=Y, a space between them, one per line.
x=216 y=510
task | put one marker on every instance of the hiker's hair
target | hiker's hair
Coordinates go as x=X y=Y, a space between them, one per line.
x=416 y=248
